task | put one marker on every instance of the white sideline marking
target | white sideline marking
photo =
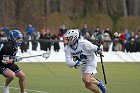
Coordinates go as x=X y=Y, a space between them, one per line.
x=27 y=90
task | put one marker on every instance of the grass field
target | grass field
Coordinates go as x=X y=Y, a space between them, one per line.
x=58 y=78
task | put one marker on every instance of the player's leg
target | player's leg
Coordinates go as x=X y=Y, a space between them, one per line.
x=99 y=84
x=9 y=75
x=86 y=72
x=21 y=77
x=90 y=84
x=92 y=69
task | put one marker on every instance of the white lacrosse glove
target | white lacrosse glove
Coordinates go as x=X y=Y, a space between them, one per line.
x=17 y=58
x=99 y=50
x=5 y=60
x=78 y=64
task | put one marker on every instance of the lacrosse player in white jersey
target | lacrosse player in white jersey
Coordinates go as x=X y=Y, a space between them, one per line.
x=80 y=54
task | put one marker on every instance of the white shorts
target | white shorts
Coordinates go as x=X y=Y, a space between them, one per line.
x=91 y=69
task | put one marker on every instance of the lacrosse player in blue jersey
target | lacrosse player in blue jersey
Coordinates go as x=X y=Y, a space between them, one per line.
x=8 y=68
x=80 y=54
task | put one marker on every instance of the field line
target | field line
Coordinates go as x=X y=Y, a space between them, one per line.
x=36 y=91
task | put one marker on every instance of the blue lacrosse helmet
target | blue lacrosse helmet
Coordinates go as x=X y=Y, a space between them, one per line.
x=16 y=37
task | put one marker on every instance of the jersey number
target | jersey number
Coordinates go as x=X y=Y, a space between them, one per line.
x=79 y=58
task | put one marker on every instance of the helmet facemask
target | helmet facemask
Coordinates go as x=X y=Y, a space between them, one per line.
x=72 y=40
x=72 y=36
x=18 y=41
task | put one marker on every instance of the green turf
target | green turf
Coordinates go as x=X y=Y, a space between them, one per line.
x=58 y=78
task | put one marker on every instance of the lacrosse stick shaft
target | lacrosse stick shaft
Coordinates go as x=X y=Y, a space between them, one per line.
x=46 y=55
x=100 y=42
x=31 y=56
x=103 y=69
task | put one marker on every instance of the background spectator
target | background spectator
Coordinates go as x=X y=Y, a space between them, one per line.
x=56 y=43
x=45 y=38
x=48 y=38
x=107 y=42
x=34 y=39
x=107 y=30
x=6 y=30
x=138 y=41
x=116 y=42
x=123 y=40
x=42 y=40
x=84 y=30
x=25 y=44
x=62 y=31
x=87 y=36
x=126 y=44
x=132 y=43
x=97 y=34
x=29 y=30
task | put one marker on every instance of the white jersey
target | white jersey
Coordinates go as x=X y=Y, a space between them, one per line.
x=84 y=52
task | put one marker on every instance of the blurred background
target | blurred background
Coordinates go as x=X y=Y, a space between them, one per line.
x=44 y=22
x=116 y=14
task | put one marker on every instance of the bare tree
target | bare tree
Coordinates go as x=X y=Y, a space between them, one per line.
x=136 y=7
x=125 y=8
x=22 y=12
x=2 y=12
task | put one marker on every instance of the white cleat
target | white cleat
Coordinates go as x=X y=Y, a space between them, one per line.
x=5 y=89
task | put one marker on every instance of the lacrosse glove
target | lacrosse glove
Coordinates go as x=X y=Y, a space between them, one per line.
x=5 y=59
x=99 y=50
x=78 y=64
x=17 y=58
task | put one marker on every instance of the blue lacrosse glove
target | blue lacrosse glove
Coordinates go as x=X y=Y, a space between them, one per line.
x=17 y=58
x=78 y=64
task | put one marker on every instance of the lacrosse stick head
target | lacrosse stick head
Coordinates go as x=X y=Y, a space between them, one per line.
x=46 y=55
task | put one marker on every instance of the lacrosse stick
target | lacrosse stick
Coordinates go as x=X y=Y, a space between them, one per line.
x=103 y=68
x=44 y=55
x=100 y=42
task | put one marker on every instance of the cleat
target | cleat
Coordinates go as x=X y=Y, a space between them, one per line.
x=5 y=89
x=102 y=87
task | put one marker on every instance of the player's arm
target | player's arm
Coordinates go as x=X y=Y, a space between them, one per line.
x=5 y=59
x=92 y=48
x=69 y=60
x=10 y=59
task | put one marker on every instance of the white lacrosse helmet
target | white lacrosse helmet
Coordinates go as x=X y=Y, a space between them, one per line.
x=72 y=36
